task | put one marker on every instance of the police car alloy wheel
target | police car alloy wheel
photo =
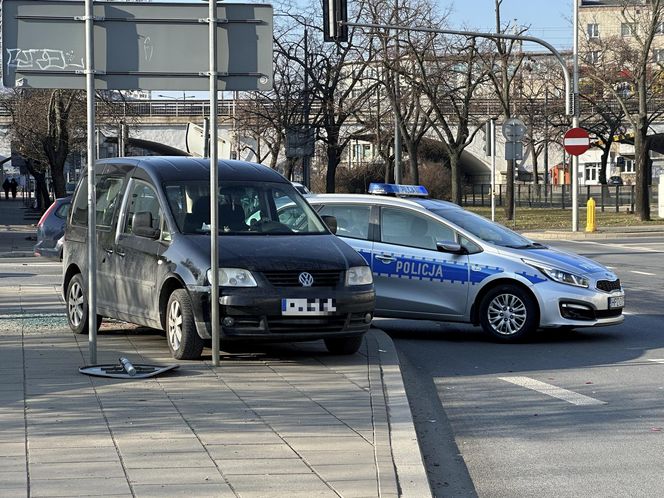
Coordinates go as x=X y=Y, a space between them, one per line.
x=183 y=339
x=508 y=313
x=77 y=306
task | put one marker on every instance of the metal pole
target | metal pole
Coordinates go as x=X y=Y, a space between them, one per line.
x=214 y=184
x=493 y=169
x=575 y=122
x=306 y=160
x=92 y=197
x=397 y=128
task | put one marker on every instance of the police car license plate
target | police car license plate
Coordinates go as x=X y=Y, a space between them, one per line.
x=308 y=307
x=617 y=302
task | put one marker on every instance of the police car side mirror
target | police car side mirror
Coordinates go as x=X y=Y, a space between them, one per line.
x=331 y=222
x=449 y=246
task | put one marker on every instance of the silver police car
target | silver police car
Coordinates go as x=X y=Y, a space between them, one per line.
x=433 y=260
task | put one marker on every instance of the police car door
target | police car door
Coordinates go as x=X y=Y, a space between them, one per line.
x=412 y=278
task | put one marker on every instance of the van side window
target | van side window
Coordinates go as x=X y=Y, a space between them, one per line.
x=108 y=199
x=79 y=210
x=143 y=199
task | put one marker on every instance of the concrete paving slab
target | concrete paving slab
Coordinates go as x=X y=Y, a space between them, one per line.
x=212 y=490
x=71 y=455
x=175 y=475
x=77 y=470
x=293 y=486
x=249 y=451
x=95 y=486
x=159 y=459
x=263 y=466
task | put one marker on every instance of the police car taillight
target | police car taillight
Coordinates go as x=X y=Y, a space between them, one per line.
x=398 y=190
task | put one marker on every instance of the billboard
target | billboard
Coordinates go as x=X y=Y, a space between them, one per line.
x=148 y=46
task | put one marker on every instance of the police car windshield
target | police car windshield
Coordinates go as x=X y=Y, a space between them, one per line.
x=257 y=208
x=484 y=229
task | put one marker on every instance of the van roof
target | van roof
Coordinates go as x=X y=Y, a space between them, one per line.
x=170 y=168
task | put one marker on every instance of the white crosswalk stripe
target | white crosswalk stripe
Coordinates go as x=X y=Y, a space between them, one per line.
x=553 y=391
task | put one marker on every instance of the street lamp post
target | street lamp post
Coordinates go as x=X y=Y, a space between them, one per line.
x=575 y=120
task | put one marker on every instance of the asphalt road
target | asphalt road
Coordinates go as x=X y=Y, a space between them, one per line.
x=487 y=427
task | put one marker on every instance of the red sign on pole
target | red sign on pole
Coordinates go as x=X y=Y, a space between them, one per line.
x=576 y=141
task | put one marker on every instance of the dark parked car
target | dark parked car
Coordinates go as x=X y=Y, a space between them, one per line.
x=614 y=180
x=283 y=276
x=51 y=229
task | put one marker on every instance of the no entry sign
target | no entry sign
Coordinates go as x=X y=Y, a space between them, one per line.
x=576 y=141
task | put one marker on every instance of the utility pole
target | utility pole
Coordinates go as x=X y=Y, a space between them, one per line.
x=575 y=122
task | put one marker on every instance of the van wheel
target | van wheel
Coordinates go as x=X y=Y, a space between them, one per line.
x=343 y=345
x=183 y=339
x=77 y=306
x=508 y=313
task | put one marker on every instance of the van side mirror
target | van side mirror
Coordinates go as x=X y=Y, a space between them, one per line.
x=331 y=222
x=450 y=247
x=141 y=225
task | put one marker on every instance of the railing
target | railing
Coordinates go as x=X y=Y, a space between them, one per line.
x=607 y=197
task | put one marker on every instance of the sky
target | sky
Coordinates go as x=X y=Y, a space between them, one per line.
x=548 y=19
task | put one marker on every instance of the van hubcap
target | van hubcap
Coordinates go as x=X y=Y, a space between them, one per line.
x=175 y=325
x=75 y=304
x=507 y=314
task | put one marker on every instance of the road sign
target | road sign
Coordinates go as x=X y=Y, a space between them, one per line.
x=514 y=129
x=513 y=151
x=576 y=141
x=136 y=45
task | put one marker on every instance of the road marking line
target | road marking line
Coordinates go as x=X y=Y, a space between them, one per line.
x=644 y=273
x=658 y=361
x=553 y=391
x=616 y=246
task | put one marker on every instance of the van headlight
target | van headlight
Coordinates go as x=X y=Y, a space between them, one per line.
x=359 y=275
x=233 y=277
x=558 y=275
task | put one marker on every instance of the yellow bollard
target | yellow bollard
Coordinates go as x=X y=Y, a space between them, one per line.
x=590 y=216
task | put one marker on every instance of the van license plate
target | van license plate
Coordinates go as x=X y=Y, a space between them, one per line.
x=308 y=307
x=616 y=302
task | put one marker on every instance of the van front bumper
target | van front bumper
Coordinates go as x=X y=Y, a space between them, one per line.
x=256 y=313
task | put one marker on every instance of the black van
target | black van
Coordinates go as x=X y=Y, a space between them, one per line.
x=283 y=275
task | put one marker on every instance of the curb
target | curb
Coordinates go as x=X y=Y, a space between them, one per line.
x=551 y=235
x=409 y=465
x=17 y=254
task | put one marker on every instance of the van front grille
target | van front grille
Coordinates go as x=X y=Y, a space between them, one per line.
x=322 y=278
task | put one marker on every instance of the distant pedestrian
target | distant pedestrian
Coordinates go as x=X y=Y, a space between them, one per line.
x=14 y=186
x=6 y=186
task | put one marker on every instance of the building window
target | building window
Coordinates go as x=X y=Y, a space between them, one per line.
x=592 y=171
x=592 y=57
x=627 y=29
x=658 y=55
x=593 y=30
x=628 y=166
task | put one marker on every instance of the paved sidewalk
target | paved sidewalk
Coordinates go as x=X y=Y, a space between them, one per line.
x=283 y=420
x=17 y=228
x=601 y=233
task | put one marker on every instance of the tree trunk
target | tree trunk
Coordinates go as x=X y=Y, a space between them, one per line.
x=333 y=159
x=455 y=177
x=389 y=170
x=509 y=191
x=535 y=167
x=604 y=162
x=413 y=166
x=642 y=155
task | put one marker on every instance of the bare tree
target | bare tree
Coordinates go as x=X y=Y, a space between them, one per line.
x=46 y=126
x=335 y=72
x=449 y=77
x=505 y=63
x=625 y=65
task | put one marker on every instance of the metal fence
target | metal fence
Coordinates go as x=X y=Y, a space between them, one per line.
x=607 y=197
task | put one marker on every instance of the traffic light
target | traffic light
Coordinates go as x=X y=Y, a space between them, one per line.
x=487 y=139
x=333 y=12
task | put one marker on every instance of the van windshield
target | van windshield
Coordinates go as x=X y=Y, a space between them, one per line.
x=258 y=208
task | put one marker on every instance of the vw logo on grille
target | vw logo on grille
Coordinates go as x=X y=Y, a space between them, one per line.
x=306 y=279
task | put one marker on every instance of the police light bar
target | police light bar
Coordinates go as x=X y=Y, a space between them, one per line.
x=398 y=190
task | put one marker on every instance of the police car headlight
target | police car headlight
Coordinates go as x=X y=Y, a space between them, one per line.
x=558 y=275
x=359 y=275
x=233 y=277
